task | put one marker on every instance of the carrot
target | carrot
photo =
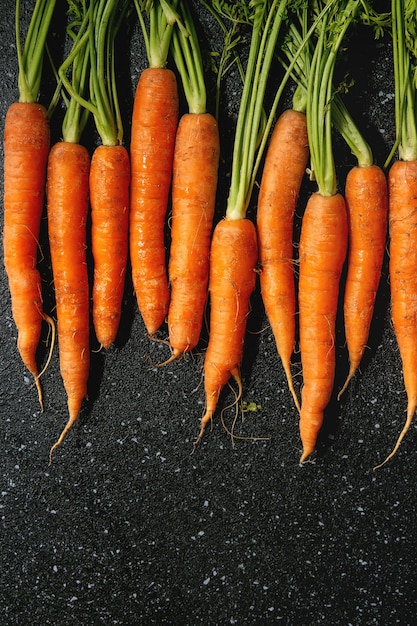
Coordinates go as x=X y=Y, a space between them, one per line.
x=324 y=232
x=67 y=211
x=233 y=255
x=109 y=176
x=402 y=183
x=26 y=147
x=194 y=186
x=367 y=208
x=402 y=191
x=67 y=193
x=154 y=124
x=323 y=244
x=284 y=168
x=109 y=195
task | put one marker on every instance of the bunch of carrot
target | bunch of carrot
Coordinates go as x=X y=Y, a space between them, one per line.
x=173 y=161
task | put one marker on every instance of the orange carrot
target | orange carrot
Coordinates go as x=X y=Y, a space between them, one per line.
x=26 y=147
x=402 y=186
x=324 y=231
x=109 y=194
x=323 y=244
x=67 y=204
x=193 y=201
x=194 y=187
x=233 y=260
x=109 y=175
x=285 y=164
x=234 y=247
x=154 y=124
x=367 y=208
x=67 y=190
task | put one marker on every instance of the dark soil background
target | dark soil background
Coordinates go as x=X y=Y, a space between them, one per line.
x=127 y=526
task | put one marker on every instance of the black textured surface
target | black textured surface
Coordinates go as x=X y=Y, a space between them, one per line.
x=127 y=527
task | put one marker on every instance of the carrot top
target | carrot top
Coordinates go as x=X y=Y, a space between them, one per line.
x=187 y=57
x=340 y=116
x=103 y=90
x=331 y=32
x=162 y=16
x=94 y=47
x=30 y=57
x=78 y=60
x=404 y=27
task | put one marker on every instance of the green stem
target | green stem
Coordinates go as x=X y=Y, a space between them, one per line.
x=320 y=93
x=30 y=59
x=405 y=94
x=157 y=35
x=187 y=57
x=265 y=30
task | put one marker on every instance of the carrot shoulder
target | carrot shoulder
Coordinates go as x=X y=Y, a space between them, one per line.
x=234 y=256
x=109 y=195
x=285 y=164
x=67 y=205
x=323 y=245
x=26 y=147
x=366 y=197
x=154 y=124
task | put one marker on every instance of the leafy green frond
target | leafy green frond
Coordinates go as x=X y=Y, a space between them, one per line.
x=189 y=62
x=30 y=56
x=157 y=20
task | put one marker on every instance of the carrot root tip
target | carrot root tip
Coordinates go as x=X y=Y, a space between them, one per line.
x=352 y=371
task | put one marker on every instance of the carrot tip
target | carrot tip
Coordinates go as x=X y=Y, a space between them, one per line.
x=39 y=390
x=60 y=439
x=174 y=356
x=306 y=455
x=352 y=371
x=290 y=383
x=204 y=421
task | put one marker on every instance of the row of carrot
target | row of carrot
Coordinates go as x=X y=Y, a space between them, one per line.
x=173 y=158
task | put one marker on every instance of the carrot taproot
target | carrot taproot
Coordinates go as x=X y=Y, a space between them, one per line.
x=67 y=191
x=193 y=201
x=402 y=214
x=366 y=197
x=322 y=252
x=154 y=124
x=26 y=147
x=109 y=197
x=233 y=258
x=234 y=248
x=284 y=168
x=324 y=231
x=67 y=207
x=402 y=185
x=109 y=175
x=194 y=187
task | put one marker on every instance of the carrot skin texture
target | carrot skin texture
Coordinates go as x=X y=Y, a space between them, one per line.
x=234 y=254
x=154 y=124
x=194 y=186
x=109 y=197
x=402 y=193
x=284 y=169
x=323 y=247
x=67 y=204
x=366 y=195
x=26 y=148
